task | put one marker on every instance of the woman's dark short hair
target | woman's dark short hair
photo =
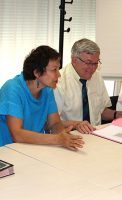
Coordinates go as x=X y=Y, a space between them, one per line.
x=38 y=59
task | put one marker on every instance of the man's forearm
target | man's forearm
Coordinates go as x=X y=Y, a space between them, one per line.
x=108 y=114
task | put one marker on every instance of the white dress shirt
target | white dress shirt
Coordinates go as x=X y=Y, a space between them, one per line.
x=68 y=96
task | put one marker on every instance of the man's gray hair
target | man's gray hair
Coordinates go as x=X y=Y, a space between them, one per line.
x=84 y=45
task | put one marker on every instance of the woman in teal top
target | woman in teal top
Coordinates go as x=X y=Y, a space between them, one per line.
x=27 y=105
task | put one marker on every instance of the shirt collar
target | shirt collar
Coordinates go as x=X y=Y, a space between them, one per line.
x=76 y=76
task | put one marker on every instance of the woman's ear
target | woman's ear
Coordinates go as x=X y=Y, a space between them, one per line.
x=36 y=73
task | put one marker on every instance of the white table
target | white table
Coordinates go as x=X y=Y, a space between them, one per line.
x=35 y=180
x=94 y=172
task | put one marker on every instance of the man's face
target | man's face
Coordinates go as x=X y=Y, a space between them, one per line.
x=86 y=64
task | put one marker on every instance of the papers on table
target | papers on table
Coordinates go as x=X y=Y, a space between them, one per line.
x=111 y=132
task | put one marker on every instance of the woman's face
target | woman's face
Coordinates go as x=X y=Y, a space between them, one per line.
x=50 y=76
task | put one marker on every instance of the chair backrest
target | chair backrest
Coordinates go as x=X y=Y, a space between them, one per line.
x=114 y=100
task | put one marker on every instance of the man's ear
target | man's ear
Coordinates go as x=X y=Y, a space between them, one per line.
x=74 y=60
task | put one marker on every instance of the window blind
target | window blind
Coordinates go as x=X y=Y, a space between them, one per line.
x=25 y=25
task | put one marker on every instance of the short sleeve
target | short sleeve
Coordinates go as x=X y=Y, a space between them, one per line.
x=10 y=101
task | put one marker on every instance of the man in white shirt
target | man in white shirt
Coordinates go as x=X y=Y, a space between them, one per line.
x=85 y=60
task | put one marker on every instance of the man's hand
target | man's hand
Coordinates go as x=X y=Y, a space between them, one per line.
x=84 y=127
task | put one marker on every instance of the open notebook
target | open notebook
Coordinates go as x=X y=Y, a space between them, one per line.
x=112 y=132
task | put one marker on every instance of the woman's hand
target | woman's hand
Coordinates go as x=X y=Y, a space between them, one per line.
x=84 y=127
x=72 y=142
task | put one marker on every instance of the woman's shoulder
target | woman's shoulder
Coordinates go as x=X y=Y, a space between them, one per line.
x=11 y=84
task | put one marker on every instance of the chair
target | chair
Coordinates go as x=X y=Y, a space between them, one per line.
x=114 y=100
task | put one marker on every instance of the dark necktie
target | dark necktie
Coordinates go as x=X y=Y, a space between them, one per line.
x=85 y=101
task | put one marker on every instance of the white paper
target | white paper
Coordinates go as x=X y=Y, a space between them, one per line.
x=110 y=132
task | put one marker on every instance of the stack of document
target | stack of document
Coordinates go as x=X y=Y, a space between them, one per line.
x=112 y=132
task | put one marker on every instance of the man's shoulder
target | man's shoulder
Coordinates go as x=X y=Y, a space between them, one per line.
x=97 y=82
x=96 y=76
x=68 y=73
x=66 y=69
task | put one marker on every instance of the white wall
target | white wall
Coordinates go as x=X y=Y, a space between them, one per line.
x=109 y=36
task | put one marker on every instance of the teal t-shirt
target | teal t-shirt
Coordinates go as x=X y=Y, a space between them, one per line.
x=16 y=100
